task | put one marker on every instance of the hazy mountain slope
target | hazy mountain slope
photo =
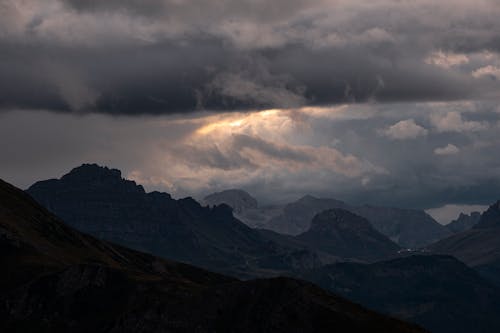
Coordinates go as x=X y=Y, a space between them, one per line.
x=438 y=292
x=478 y=247
x=297 y=216
x=99 y=201
x=342 y=233
x=490 y=218
x=409 y=228
x=245 y=207
x=238 y=200
x=463 y=222
x=55 y=279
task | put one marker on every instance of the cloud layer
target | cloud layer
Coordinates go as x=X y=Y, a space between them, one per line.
x=166 y=56
x=278 y=155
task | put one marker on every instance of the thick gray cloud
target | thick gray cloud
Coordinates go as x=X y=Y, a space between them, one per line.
x=165 y=56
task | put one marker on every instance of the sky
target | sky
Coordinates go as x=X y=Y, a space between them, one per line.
x=383 y=102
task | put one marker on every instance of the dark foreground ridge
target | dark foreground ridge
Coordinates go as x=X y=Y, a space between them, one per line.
x=55 y=279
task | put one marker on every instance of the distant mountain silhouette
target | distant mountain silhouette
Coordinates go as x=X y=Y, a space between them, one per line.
x=55 y=279
x=409 y=228
x=297 y=216
x=438 y=292
x=490 y=218
x=478 y=247
x=245 y=207
x=342 y=233
x=238 y=200
x=464 y=222
x=99 y=201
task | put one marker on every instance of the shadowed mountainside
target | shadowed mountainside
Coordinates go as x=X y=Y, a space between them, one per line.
x=344 y=234
x=438 y=292
x=97 y=200
x=478 y=247
x=464 y=222
x=56 y=279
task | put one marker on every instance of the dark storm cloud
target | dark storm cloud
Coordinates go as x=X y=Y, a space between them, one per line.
x=160 y=56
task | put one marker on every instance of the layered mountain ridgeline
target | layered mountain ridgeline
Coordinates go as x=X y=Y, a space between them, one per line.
x=55 y=279
x=478 y=247
x=438 y=292
x=409 y=228
x=245 y=207
x=464 y=222
x=97 y=200
x=238 y=200
x=344 y=234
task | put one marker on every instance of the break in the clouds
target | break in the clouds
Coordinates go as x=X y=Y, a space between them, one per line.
x=166 y=56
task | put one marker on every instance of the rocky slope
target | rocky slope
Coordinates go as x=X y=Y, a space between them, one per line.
x=55 y=279
x=438 y=292
x=342 y=233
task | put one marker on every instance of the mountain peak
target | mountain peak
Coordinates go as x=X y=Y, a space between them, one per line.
x=93 y=171
x=237 y=199
x=490 y=218
x=307 y=197
x=342 y=233
x=338 y=219
x=90 y=177
x=464 y=222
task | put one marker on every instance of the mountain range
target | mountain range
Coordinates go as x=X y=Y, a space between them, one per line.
x=56 y=279
x=409 y=228
x=97 y=200
x=340 y=250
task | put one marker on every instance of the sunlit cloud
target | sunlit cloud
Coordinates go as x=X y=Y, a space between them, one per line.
x=488 y=71
x=454 y=122
x=404 y=129
x=449 y=149
x=446 y=60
